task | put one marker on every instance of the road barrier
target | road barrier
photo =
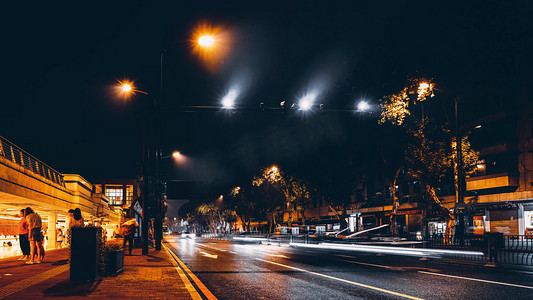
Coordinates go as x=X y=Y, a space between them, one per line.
x=490 y=248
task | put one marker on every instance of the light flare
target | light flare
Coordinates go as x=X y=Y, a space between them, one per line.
x=211 y=44
x=126 y=89
x=229 y=100
x=425 y=89
x=206 y=41
x=306 y=102
x=363 y=106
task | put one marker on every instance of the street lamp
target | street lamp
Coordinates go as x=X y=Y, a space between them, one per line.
x=175 y=155
x=206 y=41
x=363 y=106
x=127 y=90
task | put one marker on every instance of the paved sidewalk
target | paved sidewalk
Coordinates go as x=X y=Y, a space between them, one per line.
x=144 y=277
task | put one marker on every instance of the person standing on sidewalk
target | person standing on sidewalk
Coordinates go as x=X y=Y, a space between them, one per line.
x=23 y=236
x=35 y=224
x=77 y=219
x=59 y=238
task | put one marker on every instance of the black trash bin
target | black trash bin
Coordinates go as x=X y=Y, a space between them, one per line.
x=115 y=262
x=84 y=253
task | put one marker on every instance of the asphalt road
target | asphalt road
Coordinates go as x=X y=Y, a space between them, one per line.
x=232 y=270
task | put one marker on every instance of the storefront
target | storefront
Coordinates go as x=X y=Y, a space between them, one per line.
x=509 y=218
x=528 y=219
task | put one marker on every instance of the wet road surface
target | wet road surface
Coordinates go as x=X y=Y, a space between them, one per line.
x=232 y=270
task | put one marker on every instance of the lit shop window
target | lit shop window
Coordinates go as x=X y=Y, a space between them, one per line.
x=129 y=194
x=115 y=195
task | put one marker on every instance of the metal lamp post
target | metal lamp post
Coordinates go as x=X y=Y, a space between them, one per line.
x=460 y=207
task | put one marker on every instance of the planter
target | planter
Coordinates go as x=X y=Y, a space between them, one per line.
x=84 y=253
x=115 y=262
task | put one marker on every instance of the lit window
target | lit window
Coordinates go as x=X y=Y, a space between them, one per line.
x=115 y=194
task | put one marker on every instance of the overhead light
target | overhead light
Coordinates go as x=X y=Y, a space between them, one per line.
x=229 y=100
x=306 y=102
x=363 y=106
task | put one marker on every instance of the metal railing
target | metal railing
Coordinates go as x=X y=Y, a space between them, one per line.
x=496 y=248
x=15 y=154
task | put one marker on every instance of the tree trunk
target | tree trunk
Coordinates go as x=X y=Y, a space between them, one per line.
x=450 y=219
x=303 y=217
x=395 y=202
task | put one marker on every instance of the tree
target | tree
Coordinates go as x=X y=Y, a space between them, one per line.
x=270 y=193
x=300 y=196
x=428 y=155
x=244 y=206
x=281 y=191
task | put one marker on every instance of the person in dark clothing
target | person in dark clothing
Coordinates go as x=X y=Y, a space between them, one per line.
x=23 y=236
x=127 y=230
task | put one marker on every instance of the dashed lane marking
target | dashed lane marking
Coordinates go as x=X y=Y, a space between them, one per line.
x=390 y=267
x=208 y=295
x=344 y=280
x=480 y=280
x=30 y=281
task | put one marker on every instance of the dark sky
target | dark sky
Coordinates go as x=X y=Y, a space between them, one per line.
x=59 y=61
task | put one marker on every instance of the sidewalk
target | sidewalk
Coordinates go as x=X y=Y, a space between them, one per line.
x=145 y=277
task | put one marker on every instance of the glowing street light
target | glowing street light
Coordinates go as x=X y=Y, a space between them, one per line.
x=211 y=44
x=306 y=102
x=425 y=89
x=176 y=155
x=206 y=41
x=229 y=100
x=126 y=89
x=363 y=106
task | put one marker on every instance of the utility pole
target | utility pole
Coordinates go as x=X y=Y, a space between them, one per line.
x=460 y=207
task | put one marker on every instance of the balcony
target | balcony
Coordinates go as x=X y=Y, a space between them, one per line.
x=500 y=180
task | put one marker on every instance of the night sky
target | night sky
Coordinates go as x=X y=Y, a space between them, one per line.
x=60 y=61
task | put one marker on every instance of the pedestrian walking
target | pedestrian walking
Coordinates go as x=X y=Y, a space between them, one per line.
x=127 y=230
x=23 y=236
x=35 y=225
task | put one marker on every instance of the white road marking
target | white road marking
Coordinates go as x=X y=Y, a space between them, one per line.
x=214 y=256
x=390 y=267
x=343 y=280
x=480 y=280
x=367 y=264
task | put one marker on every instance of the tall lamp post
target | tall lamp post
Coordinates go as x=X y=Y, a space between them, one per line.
x=460 y=207
x=204 y=42
x=127 y=89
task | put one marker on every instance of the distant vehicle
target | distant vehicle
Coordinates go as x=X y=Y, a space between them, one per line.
x=166 y=231
x=188 y=235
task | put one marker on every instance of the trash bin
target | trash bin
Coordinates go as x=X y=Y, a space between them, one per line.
x=84 y=253
x=115 y=262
